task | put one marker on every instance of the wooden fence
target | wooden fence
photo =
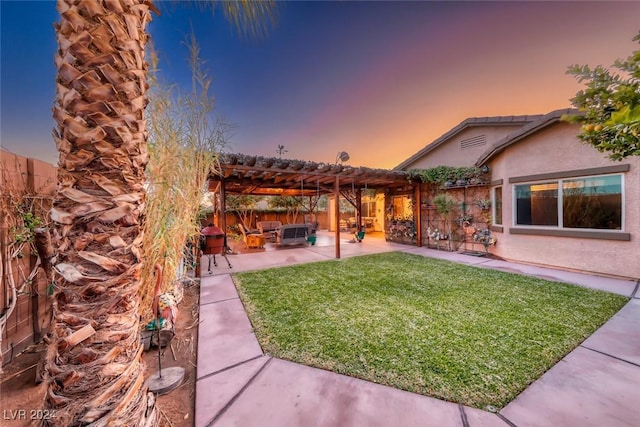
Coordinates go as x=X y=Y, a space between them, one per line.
x=26 y=184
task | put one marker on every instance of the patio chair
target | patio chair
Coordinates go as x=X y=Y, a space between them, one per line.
x=252 y=238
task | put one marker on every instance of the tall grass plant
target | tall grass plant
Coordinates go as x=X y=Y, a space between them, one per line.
x=184 y=146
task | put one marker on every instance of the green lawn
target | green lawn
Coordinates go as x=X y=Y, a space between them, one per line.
x=459 y=333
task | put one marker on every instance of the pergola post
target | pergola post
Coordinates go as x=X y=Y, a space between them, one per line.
x=223 y=208
x=418 y=209
x=358 y=194
x=336 y=213
x=215 y=206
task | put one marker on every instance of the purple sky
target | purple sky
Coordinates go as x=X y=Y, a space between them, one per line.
x=379 y=80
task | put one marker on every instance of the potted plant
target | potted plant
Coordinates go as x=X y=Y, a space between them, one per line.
x=465 y=217
x=485 y=237
x=484 y=204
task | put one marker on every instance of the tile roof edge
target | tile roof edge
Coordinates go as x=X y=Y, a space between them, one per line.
x=526 y=130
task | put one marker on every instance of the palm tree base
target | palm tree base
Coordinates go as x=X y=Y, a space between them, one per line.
x=166 y=380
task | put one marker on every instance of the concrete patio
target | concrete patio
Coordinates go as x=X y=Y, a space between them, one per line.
x=238 y=385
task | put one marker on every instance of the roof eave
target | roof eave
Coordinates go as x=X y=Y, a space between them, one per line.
x=527 y=130
x=468 y=123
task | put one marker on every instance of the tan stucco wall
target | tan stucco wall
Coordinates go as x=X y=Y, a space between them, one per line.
x=451 y=154
x=556 y=149
x=378 y=225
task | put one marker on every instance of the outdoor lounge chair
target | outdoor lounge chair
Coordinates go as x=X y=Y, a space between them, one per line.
x=293 y=234
x=252 y=238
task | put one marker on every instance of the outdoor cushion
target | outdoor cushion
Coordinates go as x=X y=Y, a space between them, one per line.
x=268 y=226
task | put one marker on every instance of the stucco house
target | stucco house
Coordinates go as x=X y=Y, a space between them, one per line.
x=555 y=200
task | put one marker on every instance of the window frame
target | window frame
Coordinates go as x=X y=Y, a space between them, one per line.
x=494 y=206
x=369 y=205
x=560 y=227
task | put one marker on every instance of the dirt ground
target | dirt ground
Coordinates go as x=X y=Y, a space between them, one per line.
x=18 y=390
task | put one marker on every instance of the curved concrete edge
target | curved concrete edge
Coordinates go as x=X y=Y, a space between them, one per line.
x=623 y=287
x=585 y=389
x=217 y=288
x=216 y=392
x=225 y=334
x=289 y=394
x=619 y=337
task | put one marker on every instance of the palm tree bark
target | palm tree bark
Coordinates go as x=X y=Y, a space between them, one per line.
x=94 y=366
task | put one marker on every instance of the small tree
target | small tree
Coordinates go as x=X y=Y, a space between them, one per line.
x=610 y=105
x=444 y=205
x=290 y=203
x=243 y=206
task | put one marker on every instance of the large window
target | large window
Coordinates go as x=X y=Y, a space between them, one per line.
x=588 y=203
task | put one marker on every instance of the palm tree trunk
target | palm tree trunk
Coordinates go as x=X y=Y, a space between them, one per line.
x=94 y=365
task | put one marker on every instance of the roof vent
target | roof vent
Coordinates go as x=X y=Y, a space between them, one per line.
x=473 y=142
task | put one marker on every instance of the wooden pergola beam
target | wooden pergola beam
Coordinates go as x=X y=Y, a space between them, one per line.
x=241 y=174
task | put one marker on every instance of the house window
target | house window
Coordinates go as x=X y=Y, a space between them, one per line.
x=402 y=208
x=592 y=202
x=497 y=205
x=368 y=209
x=587 y=203
x=537 y=204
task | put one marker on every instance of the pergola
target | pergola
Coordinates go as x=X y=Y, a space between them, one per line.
x=269 y=176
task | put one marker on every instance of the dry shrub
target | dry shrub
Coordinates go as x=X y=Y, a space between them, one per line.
x=183 y=146
x=23 y=211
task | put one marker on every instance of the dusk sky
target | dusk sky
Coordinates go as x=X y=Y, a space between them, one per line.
x=379 y=80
